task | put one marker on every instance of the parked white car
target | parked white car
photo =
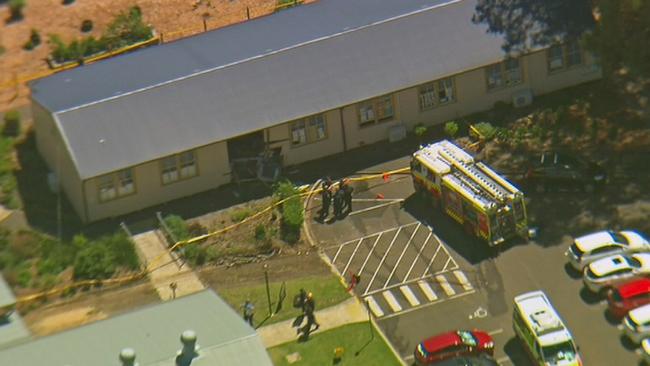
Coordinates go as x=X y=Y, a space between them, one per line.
x=645 y=350
x=588 y=248
x=614 y=270
x=636 y=324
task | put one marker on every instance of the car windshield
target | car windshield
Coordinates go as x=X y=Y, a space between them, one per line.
x=633 y=262
x=564 y=351
x=467 y=338
x=618 y=237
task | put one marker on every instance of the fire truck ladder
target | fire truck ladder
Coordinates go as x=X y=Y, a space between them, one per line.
x=472 y=172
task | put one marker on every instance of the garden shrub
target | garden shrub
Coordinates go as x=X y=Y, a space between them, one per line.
x=86 y=25
x=34 y=40
x=195 y=254
x=291 y=209
x=486 y=130
x=178 y=228
x=420 y=130
x=11 y=125
x=260 y=232
x=241 y=214
x=121 y=248
x=126 y=29
x=16 y=9
x=24 y=277
x=451 y=128
x=95 y=261
x=67 y=2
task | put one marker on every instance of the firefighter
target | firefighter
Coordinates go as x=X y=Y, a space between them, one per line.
x=249 y=312
x=338 y=203
x=326 y=198
x=347 y=196
x=310 y=307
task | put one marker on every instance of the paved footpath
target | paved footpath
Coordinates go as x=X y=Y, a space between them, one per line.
x=151 y=249
x=349 y=311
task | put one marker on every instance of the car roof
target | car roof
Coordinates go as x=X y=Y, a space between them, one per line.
x=634 y=288
x=640 y=315
x=441 y=341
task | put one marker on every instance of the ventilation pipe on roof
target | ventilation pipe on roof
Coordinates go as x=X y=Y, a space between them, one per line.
x=127 y=356
x=190 y=349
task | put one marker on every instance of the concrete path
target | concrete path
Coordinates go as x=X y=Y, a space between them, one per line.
x=349 y=311
x=152 y=250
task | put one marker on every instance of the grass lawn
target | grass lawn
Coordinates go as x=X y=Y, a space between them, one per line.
x=327 y=291
x=319 y=349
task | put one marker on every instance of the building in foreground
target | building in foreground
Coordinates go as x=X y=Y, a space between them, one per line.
x=180 y=118
x=195 y=330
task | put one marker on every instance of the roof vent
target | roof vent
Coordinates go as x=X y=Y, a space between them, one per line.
x=127 y=356
x=190 y=349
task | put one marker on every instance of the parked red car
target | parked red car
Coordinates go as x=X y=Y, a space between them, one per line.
x=628 y=296
x=453 y=344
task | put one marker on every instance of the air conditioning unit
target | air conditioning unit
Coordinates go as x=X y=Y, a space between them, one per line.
x=397 y=133
x=522 y=98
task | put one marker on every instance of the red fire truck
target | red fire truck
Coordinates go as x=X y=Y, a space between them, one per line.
x=488 y=206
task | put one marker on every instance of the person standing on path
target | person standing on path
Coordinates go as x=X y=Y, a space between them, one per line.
x=249 y=312
x=338 y=203
x=326 y=198
x=347 y=196
x=310 y=307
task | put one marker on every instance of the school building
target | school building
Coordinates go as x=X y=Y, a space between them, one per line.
x=191 y=115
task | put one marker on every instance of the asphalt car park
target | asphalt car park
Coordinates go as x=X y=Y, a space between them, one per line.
x=386 y=216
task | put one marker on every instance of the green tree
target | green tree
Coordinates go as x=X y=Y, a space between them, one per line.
x=291 y=209
x=127 y=28
x=95 y=261
x=451 y=128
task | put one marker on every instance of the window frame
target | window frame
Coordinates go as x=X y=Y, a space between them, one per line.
x=178 y=167
x=567 y=51
x=310 y=129
x=504 y=74
x=374 y=105
x=432 y=92
x=115 y=181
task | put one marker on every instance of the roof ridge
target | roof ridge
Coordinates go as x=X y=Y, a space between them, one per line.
x=257 y=57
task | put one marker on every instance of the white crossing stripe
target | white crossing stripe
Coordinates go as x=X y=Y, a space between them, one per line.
x=374 y=307
x=392 y=301
x=442 y=280
x=460 y=275
x=410 y=296
x=428 y=291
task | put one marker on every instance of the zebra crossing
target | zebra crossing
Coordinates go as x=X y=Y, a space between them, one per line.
x=393 y=301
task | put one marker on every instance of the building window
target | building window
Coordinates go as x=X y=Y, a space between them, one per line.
x=180 y=166
x=310 y=129
x=503 y=74
x=436 y=93
x=376 y=110
x=564 y=56
x=115 y=185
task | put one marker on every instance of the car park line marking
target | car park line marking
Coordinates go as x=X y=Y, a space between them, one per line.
x=444 y=248
x=374 y=307
x=460 y=275
x=374 y=207
x=392 y=301
x=428 y=304
x=431 y=261
x=417 y=256
x=504 y=359
x=427 y=290
x=370 y=253
x=409 y=295
x=381 y=262
x=446 y=264
x=392 y=272
x=495 y=332
x=371 y=235
x=337 y=253
x=345 y=270
x=442 y=280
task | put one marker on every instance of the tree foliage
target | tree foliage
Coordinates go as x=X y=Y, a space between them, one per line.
x=292 y=210
x=615 y=30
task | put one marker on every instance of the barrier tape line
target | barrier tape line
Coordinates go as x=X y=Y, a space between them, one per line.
x=154 y=264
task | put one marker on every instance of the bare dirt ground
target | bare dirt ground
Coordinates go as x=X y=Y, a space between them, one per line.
x=87 y=308
x=171 y=18
x=281 y=267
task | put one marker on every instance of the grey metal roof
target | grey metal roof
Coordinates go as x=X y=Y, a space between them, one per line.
x=434 y=41
x=154 y=332
x=214 y=49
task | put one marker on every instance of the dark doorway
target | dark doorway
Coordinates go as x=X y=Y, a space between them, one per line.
x=250 y=159
x=247 y=146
